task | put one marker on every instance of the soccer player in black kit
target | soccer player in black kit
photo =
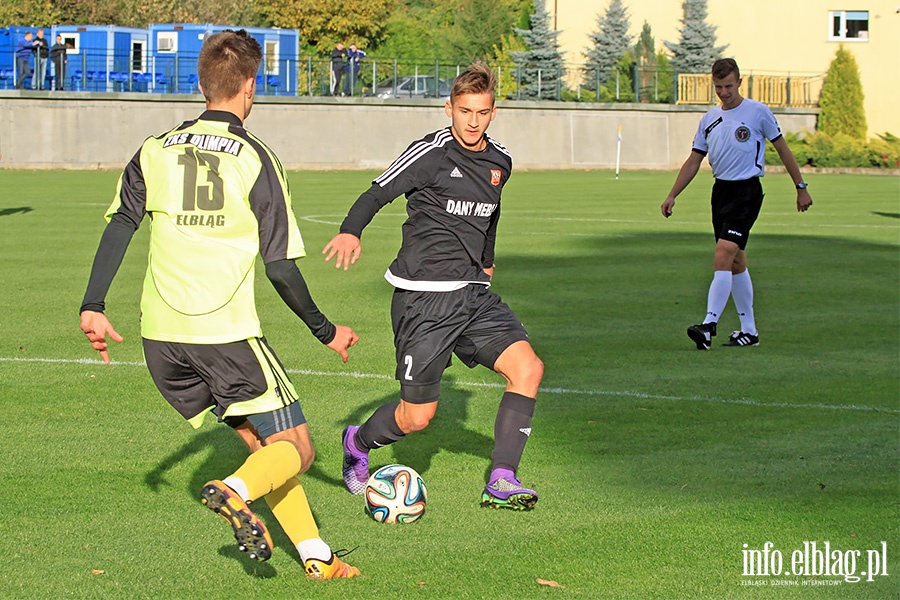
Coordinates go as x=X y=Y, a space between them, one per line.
x=442 y=304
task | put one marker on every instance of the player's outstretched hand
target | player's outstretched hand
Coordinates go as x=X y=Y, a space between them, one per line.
x=346 y=247
x=96 y=327
x=667 y=207
x=344 y=339
x=804 y=200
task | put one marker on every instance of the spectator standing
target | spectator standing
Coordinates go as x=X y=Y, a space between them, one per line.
x=354 y=57
x=337 y=67
x=41 y=54
x=60 y=58
x=23 y=60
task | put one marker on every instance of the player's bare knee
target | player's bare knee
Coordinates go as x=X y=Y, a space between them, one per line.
x=724 y=261
x=527 y=374
x=413 y=422
x=414 y=417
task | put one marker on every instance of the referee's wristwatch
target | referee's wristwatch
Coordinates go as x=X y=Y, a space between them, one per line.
x=802 y=185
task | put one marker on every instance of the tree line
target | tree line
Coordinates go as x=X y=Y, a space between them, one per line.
x=516 y=32
x=497 y=31
x=453 y=30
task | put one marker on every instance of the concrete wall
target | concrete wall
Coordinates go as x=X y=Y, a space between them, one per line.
x=77 y=130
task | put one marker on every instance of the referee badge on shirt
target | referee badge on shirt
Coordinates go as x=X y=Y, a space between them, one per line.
x=742 y=133
x=495 y=177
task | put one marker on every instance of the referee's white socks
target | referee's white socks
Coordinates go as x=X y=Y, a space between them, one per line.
x=719 y=291
x=742 y=292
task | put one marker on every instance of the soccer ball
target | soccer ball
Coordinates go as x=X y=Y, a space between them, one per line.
x=395 y=494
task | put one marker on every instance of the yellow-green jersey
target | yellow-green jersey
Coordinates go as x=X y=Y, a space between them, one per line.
x=217 y=197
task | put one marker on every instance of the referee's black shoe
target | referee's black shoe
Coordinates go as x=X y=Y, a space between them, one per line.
x=702 y=335
x=741 y=338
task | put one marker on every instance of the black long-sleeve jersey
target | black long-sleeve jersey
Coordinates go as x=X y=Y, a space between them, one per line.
x=453 y=204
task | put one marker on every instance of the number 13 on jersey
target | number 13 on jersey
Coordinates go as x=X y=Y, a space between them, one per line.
x=208 y=196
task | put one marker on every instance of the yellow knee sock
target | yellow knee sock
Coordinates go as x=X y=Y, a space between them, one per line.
x=291 y=508
x=268 y=469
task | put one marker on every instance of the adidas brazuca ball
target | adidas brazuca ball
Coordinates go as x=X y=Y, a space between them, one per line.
x=395 y=494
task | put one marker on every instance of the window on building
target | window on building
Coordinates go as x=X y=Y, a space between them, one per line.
x=272 y=48
x=72 y=42
x=849 y=25
x=138 y=59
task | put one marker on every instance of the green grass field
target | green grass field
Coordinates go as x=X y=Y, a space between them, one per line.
x=656 y=464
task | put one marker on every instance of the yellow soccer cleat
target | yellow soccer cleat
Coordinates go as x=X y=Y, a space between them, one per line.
x=250 y=533
x=332 y=569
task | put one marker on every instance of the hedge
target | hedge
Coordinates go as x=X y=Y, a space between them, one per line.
x=840 y=150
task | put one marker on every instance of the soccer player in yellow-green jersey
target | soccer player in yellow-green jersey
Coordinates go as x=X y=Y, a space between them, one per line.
x=217 y=197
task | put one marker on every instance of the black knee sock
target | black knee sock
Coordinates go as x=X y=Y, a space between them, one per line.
x=511 y=430
x=380 y=429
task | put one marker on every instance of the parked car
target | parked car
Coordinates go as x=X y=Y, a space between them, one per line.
x=414 y=86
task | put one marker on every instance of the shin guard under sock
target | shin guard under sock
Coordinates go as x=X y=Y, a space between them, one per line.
x=268 y=469
x=291 y=507
x=511 y=430
x=719 y=292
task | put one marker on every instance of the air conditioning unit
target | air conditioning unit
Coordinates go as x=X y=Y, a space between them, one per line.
x=165 y=44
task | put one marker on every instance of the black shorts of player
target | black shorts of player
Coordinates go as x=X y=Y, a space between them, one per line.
x=735 y=207
x=472 y=322
x=197 y=378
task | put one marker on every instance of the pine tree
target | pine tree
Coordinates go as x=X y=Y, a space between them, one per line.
x=697 y=50
x=610 y=43
x=540 y=68
x=841 y=102
x=645 y=48
x=648 y=71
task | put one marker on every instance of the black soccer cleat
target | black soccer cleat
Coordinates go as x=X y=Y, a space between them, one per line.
x=250 y=533
x=702 y=335
x=740 y=338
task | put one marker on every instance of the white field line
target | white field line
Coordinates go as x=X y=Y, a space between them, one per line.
x=338 y=219
x=543 y=390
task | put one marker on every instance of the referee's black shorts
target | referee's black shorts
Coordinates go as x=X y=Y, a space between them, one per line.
x=472 y=322
x=735 y=207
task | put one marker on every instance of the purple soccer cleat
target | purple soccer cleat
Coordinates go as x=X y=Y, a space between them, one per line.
x=505 y=491
x=355 y=468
